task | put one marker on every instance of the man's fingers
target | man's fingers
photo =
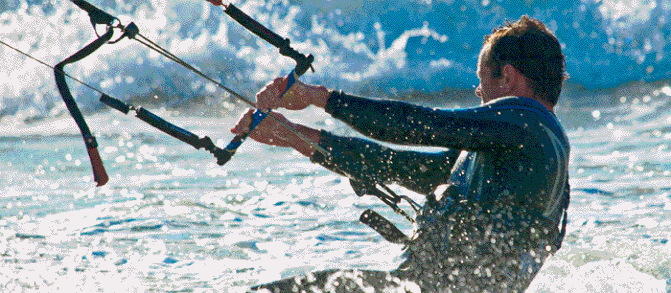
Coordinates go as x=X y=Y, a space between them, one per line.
x=269 y=96
x=242 y=127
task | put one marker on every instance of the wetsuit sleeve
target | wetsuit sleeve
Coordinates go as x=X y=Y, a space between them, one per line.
x=360 y=158
x=484 y=127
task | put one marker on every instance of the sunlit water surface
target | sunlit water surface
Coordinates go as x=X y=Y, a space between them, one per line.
x=170 y=219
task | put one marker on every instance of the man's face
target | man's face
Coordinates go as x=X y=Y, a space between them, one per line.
x=489 y=88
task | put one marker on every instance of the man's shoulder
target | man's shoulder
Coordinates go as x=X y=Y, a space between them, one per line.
x=537 y=112
x=522 y=108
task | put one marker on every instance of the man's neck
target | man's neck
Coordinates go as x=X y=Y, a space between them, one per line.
x=545 y=103
x=541 y=101
x=528 y=93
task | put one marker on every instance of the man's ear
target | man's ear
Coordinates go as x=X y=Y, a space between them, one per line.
x=510 y=76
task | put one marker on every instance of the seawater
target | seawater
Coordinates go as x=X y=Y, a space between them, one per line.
x=170 y=219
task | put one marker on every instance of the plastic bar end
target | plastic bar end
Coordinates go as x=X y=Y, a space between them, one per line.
x=99 y=173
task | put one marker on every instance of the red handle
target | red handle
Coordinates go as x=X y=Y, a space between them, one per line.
x=99 y=173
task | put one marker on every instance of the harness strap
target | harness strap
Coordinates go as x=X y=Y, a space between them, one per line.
x=384 y=227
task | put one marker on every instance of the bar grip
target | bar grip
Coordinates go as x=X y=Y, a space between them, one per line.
x=257 y=118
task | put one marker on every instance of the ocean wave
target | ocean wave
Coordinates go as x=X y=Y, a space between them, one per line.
x=386 y=48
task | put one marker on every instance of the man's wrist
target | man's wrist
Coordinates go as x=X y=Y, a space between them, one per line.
x=319 y=95
x=312 y=135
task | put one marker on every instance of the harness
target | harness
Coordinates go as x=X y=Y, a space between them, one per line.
x=533 y=227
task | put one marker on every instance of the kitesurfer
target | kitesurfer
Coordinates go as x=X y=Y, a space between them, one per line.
x=496 y=196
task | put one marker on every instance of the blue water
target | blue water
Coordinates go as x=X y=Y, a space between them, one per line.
x=170 y=219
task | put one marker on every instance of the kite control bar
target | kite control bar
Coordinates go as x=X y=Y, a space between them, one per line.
x=303 y=62
x=100 y=17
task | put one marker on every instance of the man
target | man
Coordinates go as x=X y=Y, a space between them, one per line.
x=496 y=197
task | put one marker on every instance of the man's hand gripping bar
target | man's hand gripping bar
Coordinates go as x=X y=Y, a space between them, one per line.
x=303 y=63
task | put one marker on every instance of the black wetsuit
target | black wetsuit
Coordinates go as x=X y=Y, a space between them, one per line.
x=505 y=179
